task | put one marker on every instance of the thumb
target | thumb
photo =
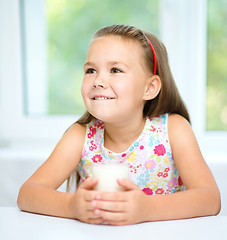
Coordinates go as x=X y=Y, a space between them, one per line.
x=89 y=183
x=127 y=184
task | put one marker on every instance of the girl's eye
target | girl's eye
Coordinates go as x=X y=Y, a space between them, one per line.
x=115 y=70
x=90 y=71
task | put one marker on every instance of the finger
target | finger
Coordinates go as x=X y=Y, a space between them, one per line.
x=95 y=220
x=91 y=214
x=118 y=223
x=89 y=183
x=110 y=216
x=89 y=206
x=111 y=206
x=111 y=196
x=90 y=195
x=127 y=184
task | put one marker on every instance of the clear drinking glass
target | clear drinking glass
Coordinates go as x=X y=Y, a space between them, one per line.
x=107 y=175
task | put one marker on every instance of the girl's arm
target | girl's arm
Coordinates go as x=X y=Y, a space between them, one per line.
x=201 y=198
x=39 y=193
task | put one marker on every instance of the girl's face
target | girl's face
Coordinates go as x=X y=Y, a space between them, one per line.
x=115 y=79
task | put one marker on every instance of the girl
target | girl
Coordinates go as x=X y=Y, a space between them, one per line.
x=134 y=113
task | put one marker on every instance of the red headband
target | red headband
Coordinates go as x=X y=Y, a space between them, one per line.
x=152 y=48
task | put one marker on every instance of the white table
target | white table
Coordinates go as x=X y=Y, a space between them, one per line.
x=15 y=224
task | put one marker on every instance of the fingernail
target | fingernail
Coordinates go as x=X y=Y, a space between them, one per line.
x=97 y=211
x=93 y=203
x=120 y=180
x=98 y=197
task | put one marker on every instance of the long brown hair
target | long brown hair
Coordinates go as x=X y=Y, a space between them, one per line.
x=168 y=100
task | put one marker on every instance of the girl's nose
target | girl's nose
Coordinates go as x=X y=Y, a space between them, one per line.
x=99 y=83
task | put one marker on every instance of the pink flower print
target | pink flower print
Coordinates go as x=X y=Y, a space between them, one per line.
x=84 y=153
x=172 y=183
x=97 y=158
x=135 y=168
x=151 y=164
x=159 y=150
x=165 y=175
x=141 y=147
x=159 y=191
x=159 y=130
x=148 y=191
x=92 y=132
x=152 y=129
x=94 y=146
x=99 y=125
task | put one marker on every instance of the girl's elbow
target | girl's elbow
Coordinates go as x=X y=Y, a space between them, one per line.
x=218 y=208
x=19 y=199
x=216 y=203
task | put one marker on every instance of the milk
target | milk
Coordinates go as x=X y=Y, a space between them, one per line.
x=107 y=175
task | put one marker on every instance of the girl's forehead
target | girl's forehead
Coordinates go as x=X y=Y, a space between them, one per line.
x=114 y=44
x=117 y=39
x=117 y=49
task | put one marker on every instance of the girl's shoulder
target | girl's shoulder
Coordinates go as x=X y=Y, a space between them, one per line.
x=180 y=130
x=76 y=129
x=176 y=121
x=75 y=134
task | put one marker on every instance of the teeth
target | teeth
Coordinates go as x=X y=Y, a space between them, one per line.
x=101 y=98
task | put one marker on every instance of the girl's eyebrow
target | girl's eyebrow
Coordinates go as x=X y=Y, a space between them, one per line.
x=88 y=64
x=118 y=63
x=109 y=63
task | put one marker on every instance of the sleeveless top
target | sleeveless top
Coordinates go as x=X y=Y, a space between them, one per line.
x=150 y=161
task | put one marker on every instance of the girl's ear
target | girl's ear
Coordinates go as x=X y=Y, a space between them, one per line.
x=153 y=87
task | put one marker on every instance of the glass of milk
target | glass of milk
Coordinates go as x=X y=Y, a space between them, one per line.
x=107 y=175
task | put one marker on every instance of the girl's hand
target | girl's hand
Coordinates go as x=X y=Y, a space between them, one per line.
x=82 y=204
x=122 y=208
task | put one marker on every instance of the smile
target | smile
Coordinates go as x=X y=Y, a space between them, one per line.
x=102 y=98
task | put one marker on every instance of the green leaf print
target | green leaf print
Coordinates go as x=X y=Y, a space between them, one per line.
x=158 y=158
x=152 y=156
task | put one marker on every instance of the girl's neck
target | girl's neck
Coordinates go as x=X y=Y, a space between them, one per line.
x=118 y=138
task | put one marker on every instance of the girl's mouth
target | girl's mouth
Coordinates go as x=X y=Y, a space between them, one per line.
x=102 y=98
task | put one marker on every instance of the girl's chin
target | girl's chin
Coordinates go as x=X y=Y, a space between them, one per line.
x=102 y=118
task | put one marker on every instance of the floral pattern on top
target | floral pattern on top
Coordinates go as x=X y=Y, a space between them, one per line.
x=150 y=161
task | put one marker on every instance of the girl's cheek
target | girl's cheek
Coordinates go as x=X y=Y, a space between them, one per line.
x=84 y=88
